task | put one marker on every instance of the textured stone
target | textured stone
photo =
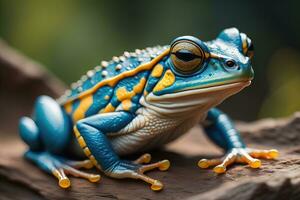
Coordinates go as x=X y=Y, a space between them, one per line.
x=275 y=180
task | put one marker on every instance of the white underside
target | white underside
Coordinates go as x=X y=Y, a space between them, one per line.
x=164 y=118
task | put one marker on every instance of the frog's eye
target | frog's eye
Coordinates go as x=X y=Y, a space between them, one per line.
x=230 y=63
x=187 y=57
x=247 y=45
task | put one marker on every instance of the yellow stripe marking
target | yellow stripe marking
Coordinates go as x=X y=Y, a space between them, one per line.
x=245 y=47
x=68 y=107
x=87 y=151
x=166 y=81
x=76 y=132
x=123 y=94
x=84 y=105
x=244 y=42
x=114 y=80
x=81 y=142
x=140 y=86
x=126 y=104
x=108 y=108
x=157 y=71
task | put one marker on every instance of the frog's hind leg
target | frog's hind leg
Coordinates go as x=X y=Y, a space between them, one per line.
x=47 y=133
x=48 y=129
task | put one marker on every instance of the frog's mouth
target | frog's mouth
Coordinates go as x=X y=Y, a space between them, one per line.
x=193 y=99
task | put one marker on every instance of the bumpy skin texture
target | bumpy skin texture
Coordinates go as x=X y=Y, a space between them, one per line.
x=142 y=100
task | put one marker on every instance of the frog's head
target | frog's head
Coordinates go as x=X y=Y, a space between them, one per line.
x=199 y=74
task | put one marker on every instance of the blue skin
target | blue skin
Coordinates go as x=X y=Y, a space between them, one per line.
x=50 y=122
x=220 y=128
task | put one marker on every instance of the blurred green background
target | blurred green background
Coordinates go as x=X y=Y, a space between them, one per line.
x=71 y=36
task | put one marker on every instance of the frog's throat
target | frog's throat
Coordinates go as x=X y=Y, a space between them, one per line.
x=114 y=80
x=195 y=100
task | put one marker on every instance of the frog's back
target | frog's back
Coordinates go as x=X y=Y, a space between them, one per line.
x=114 y=85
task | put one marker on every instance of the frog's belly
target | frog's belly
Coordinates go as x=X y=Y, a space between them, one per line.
x=154 y=132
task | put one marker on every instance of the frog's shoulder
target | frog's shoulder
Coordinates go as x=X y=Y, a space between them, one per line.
x=110 y=72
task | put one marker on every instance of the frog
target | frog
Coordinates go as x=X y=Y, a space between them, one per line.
x=140 y=101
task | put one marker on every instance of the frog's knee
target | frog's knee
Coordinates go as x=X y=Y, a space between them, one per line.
x=53 y=124
x=44 y=101
x=29 y=133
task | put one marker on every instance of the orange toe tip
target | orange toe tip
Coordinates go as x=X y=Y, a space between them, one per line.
x=164 y=165
x=95 y=178
x=203 y=163
x=147 y=158
x=273 y=153
x=157 y=186
x=64 y=183
x=255 y=164
x=220 y=169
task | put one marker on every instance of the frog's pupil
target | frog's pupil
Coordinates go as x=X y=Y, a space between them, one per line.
x=185 y=55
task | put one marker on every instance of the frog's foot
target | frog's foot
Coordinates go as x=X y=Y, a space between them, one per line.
x=239 y=155
x=61 y=167
x=135 y=170
x=86 y=164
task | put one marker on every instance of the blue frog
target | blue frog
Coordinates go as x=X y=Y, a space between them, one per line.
x=142 y=100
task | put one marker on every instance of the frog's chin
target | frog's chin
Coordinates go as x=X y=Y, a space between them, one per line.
x=195 y=100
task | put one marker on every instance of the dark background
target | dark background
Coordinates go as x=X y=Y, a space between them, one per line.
x=71 y=36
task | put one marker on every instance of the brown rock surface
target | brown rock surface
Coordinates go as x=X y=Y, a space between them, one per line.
x=22 y=80
x=275 y=180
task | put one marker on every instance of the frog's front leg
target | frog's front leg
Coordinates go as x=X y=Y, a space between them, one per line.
x=91 y=135
x=47 y=134
x=222 y=131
